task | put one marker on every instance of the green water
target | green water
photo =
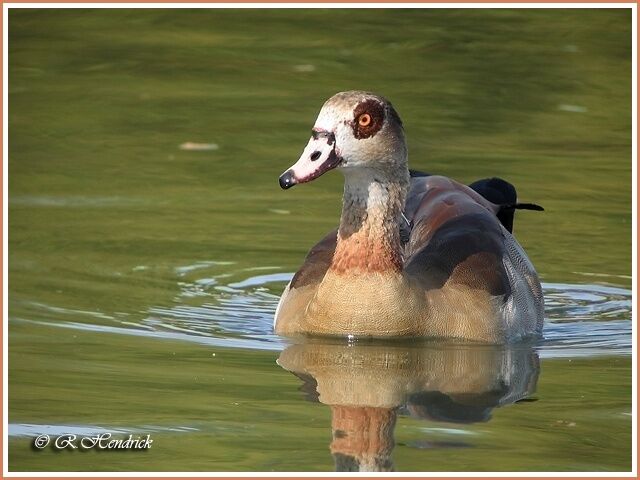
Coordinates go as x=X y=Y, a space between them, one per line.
x=143 y=277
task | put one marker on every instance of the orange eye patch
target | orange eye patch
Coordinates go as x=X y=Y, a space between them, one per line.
x=364 y=120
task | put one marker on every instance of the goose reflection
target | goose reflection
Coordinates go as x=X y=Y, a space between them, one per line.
x=368 y=385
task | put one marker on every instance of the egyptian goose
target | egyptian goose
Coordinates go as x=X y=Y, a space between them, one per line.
x=421 y=256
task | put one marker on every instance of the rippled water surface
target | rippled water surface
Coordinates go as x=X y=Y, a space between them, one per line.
x=149 y=241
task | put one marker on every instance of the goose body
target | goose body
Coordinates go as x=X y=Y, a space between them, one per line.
x=414 y=256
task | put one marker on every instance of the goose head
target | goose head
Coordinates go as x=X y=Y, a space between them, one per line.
x=355 y=132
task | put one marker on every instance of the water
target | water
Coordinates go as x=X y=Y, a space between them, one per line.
x=149 y=241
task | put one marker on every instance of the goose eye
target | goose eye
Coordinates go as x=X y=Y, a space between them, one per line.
x=368 y=118
x=364 y=120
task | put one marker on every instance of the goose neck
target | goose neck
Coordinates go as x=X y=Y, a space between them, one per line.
x=369 y=237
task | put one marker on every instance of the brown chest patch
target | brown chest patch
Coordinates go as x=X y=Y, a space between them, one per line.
x=359 y=254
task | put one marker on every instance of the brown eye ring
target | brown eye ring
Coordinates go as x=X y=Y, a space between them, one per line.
x=368 y=118
x=364 y=120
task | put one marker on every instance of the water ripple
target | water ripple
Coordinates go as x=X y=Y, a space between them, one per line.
x=585 y=319
x=235 y=309
x=566 y=302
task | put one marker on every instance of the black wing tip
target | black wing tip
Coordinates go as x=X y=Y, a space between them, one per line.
x=521 y=206
x=529 y=206
x=418 y=173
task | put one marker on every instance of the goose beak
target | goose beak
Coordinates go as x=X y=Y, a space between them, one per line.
x=287 y=180
x=318 y=157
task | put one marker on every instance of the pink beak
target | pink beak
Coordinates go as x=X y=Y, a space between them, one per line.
x=318 y=157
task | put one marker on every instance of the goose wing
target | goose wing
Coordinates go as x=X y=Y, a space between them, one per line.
x=455 y=237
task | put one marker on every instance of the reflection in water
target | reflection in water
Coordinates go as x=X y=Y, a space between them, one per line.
x=367 y=385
